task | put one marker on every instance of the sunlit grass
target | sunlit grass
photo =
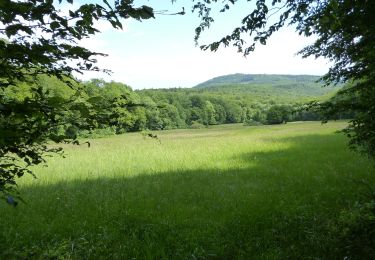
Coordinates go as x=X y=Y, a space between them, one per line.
x=223 y=192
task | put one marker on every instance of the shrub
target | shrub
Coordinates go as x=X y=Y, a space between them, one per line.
x=356 y=234
x=196 y=125
x=251 y=122
x=97 y=133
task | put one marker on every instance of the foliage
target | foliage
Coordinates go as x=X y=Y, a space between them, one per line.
x=278 y=114
x=356 y=232
x=251 y=122
x=24 y=55
x=196 y=125
x=23 y=129
x=39 y=39
x=221 y=103
x=356 y=99
x=344 y=34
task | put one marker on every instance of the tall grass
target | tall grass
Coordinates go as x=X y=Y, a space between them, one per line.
x=223 y=192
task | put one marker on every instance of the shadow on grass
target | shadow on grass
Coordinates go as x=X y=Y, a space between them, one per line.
x=286 y=206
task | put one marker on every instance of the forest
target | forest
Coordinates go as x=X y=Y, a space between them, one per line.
x=115 y=108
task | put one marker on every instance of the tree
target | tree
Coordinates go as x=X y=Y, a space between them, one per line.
x=169 y=116
x=220 y=113
x=278 y=114
x=233 y=111
x=36 y=38
x=345 y=34
x=209 y=113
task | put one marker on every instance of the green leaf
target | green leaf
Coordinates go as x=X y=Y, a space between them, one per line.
x=54 y=25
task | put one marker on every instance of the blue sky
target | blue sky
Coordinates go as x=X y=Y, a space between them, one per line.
x=161 y=53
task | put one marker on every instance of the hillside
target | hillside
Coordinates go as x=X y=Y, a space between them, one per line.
x=259 y=79
x=237 y=98
x=298 y=86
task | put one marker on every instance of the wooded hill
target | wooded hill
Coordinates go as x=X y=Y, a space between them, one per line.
x=244 y=98
x=263 y=85
x=274 y=79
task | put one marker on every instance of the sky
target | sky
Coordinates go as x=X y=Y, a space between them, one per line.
x=161 y=52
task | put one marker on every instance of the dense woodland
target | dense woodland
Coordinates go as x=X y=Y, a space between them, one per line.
x=114 y=108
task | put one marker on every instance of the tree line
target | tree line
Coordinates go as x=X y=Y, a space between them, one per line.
x=104 y=108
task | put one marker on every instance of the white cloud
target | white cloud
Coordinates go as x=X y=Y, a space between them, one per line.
x=180 y=66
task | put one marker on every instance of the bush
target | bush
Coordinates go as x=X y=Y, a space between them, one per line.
x=356 y=234
x=97 y=133
x=196 y=125
x=251 y=122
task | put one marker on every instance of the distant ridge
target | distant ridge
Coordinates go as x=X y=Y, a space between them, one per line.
x=258 y=79
x=262 y=87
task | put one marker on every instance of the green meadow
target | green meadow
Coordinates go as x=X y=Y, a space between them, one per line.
x=223 y=192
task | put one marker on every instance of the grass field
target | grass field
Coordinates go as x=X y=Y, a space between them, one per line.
x=227 y=192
